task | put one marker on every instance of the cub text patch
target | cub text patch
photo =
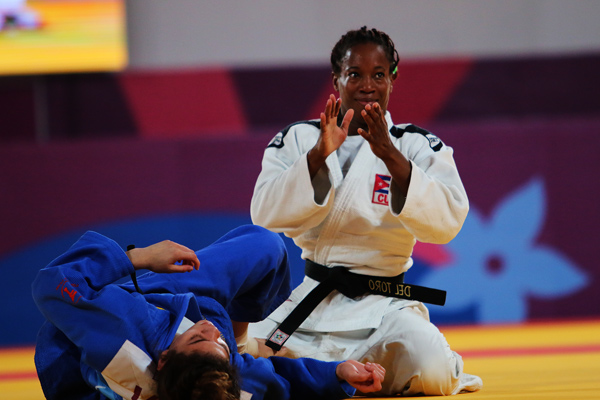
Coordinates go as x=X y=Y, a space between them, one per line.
x=381 y=189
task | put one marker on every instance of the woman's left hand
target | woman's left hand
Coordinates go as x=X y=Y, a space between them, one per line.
x=378 y=133
x=381 y=144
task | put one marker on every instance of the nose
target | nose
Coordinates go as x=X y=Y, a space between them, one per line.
x=367 y=84
x=210 y=332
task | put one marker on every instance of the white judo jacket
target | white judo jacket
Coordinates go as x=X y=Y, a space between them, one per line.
x=360 y=221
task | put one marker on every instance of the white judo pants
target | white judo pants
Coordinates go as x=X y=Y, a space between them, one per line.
x=415 y=354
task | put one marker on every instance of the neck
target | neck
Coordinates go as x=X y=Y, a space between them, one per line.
x=354 y=124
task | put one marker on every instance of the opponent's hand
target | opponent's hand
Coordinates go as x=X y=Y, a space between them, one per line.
x=366 y=378
x=163 y=256
x=332 y=136
x=258 y=348
x=378 y=134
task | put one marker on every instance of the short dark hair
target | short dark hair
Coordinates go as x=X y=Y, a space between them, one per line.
x=359 y=36
x=197 y=376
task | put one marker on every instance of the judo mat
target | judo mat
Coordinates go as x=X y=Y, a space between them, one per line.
x=543 y=360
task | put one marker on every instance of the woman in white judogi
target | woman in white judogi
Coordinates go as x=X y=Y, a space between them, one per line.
x=352 y=189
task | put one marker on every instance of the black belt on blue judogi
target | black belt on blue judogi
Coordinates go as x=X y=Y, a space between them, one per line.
x=351 y=285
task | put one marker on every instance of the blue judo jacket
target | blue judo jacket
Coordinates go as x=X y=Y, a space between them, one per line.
x=95 y=327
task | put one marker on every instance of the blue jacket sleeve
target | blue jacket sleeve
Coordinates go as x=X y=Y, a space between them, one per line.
x=285 y=378
x=312 y=379
x=74 y=293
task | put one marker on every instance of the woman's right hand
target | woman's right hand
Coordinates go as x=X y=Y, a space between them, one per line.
x=332 y=136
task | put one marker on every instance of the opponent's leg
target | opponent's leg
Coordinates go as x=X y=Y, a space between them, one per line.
x=246 y=271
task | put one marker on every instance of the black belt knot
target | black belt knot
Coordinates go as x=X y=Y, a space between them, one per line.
x=350 y=285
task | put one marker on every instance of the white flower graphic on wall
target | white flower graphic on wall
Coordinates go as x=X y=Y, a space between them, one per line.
x=497 y=264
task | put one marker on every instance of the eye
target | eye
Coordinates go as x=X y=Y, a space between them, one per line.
x=353 y=74
x=196 y=339
x=379 y=75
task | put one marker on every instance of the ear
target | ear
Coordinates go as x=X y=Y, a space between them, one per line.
x=334 y=80
x=162 y=360
x=393 y=78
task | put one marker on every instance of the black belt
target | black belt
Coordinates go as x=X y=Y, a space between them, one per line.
x=351 y=285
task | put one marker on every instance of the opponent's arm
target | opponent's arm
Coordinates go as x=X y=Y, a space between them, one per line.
x=252 y=346
x=164 y=257
x=74 y=293
x=314 y=379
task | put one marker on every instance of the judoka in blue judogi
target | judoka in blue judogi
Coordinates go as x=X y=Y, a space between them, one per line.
x=108 y=340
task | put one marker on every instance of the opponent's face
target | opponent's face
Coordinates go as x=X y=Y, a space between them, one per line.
x=365 y=78
x=204 y=338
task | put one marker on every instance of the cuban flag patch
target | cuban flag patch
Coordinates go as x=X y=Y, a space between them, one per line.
x=381 y=189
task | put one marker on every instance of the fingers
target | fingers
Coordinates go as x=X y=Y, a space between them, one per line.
x=338 y=106
x=353 y=371
x=332 y=107
x=168 y=257
x=347 y=119
x=378 y=374
x=374 y=117
x=364 y=134
x=327 y=115
x=187 y=257
x=366 y=377
x=332 y=136
x=328 y=107
x=377 y=133
x=179 y=268
x=193 y=262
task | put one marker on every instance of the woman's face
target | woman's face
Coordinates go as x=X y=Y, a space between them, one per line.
x=204 y=338
x=364 y=79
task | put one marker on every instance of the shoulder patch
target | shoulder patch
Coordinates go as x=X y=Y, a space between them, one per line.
x=397 y=132
x=277 y=141
x=434 y=142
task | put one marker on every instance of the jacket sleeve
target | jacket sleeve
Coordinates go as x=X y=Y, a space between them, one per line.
x=284 y=198
x=436 y=205
x=312 y=379
x=286 y=378
x=74 y=293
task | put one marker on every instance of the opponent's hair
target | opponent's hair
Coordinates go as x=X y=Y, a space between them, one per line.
x=197 y=377
x=359 y=36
